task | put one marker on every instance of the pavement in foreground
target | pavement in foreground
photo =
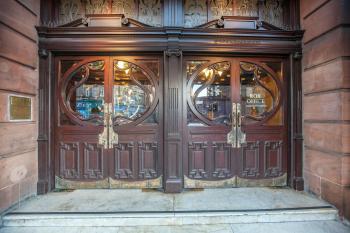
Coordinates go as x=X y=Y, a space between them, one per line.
x=288 y=227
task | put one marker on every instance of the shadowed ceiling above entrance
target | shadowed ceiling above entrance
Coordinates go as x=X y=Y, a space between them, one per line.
x=194 y=12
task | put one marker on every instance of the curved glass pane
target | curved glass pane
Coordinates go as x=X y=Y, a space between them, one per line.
x=259 y=92
x=133 y=92
x=211 y=92
x=85 y=92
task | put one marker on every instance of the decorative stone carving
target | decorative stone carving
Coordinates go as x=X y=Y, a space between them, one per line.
x=126 y=7
x=70 y=10
x=218 y=8
x=273 y=12
x=97 y=7
x=150 y=12
x=246 y=7
x=195 y=12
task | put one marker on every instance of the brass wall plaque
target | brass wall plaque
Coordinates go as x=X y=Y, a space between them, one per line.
x=20 y=108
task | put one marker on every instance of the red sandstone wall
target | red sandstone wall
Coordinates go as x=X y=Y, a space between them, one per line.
x=326 y=87
x=18 y=75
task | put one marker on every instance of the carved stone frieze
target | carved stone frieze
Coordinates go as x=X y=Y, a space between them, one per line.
x=97 y=7
x=196 y=12
x=150 y=12
x=273 y=12
x=125 y=7
x=70 y=10
x=246 y=7
x=219 y=8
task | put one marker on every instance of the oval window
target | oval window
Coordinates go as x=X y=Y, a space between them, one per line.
x=259 y=92
x=133 y=92
x=84 y=92
x=211 y=93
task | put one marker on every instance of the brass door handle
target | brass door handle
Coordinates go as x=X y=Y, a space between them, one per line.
x=232 y=135
x=241 y=136
x=236 y=136
x=113 y=136
x=108 y=137
x=103 y=137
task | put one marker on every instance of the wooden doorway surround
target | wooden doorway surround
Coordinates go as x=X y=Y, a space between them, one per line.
x=232 y=39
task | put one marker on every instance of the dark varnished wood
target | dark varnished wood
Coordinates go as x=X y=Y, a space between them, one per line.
x=174 y=44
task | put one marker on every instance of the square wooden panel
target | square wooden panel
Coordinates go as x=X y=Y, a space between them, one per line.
x=250 y=159
x=93 y=161
x=222 y=160
x=148 y=155
x=123 y=160
x=69 y=160
x=273 y=158
x=197 y=152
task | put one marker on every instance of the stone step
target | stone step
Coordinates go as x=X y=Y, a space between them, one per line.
x=166 y=218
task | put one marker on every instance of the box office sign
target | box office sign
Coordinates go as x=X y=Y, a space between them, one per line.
x=20 y=108
x=255 y=100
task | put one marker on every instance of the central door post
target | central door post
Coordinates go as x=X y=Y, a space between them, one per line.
x=173 y=120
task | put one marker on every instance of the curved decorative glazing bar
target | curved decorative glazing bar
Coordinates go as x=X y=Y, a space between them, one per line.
x=134 y=93
x=82 y=91
x=260 y=92
x=210 y=93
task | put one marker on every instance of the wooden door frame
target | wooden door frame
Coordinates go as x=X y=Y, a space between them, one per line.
x=173 y=43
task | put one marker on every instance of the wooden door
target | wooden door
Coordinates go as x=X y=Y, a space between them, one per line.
x=236 y=129
x=109 y=129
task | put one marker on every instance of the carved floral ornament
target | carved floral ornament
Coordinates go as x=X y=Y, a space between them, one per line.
x=196 y=12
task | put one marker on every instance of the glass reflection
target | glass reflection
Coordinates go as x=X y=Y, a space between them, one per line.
x=259 y=92
x=85 y=92
x=211 y=93
x=133 y=92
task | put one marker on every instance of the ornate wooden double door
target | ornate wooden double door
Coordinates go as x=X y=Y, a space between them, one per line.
x=109 y=130
x=236 y=127
x=110 y=122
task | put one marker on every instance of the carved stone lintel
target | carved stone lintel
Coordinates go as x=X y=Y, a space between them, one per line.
x=297 y=55
x=125 y=21
x=173 y=52
x=259 y=24
x=43 y=53
x=220 y=23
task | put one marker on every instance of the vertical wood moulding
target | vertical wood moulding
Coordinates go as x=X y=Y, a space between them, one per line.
x=172 y=118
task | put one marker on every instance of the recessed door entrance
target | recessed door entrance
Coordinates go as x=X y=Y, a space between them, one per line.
x=109 y=122
x=109 y=129
x=236 y=130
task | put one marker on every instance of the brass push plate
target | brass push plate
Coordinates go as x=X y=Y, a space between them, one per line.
x=20 y=108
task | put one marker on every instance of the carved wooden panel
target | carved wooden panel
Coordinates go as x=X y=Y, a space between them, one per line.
x=69 y=159
x=273 y=158
x=123 y=160
x=197 y=153
x=250 y=159
x=150 y=12
x=70 y=10
x=219 y=8
x=93 y=161
x=195 y=12
x=148 y=156
x=245 y=7
x=222 y=160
